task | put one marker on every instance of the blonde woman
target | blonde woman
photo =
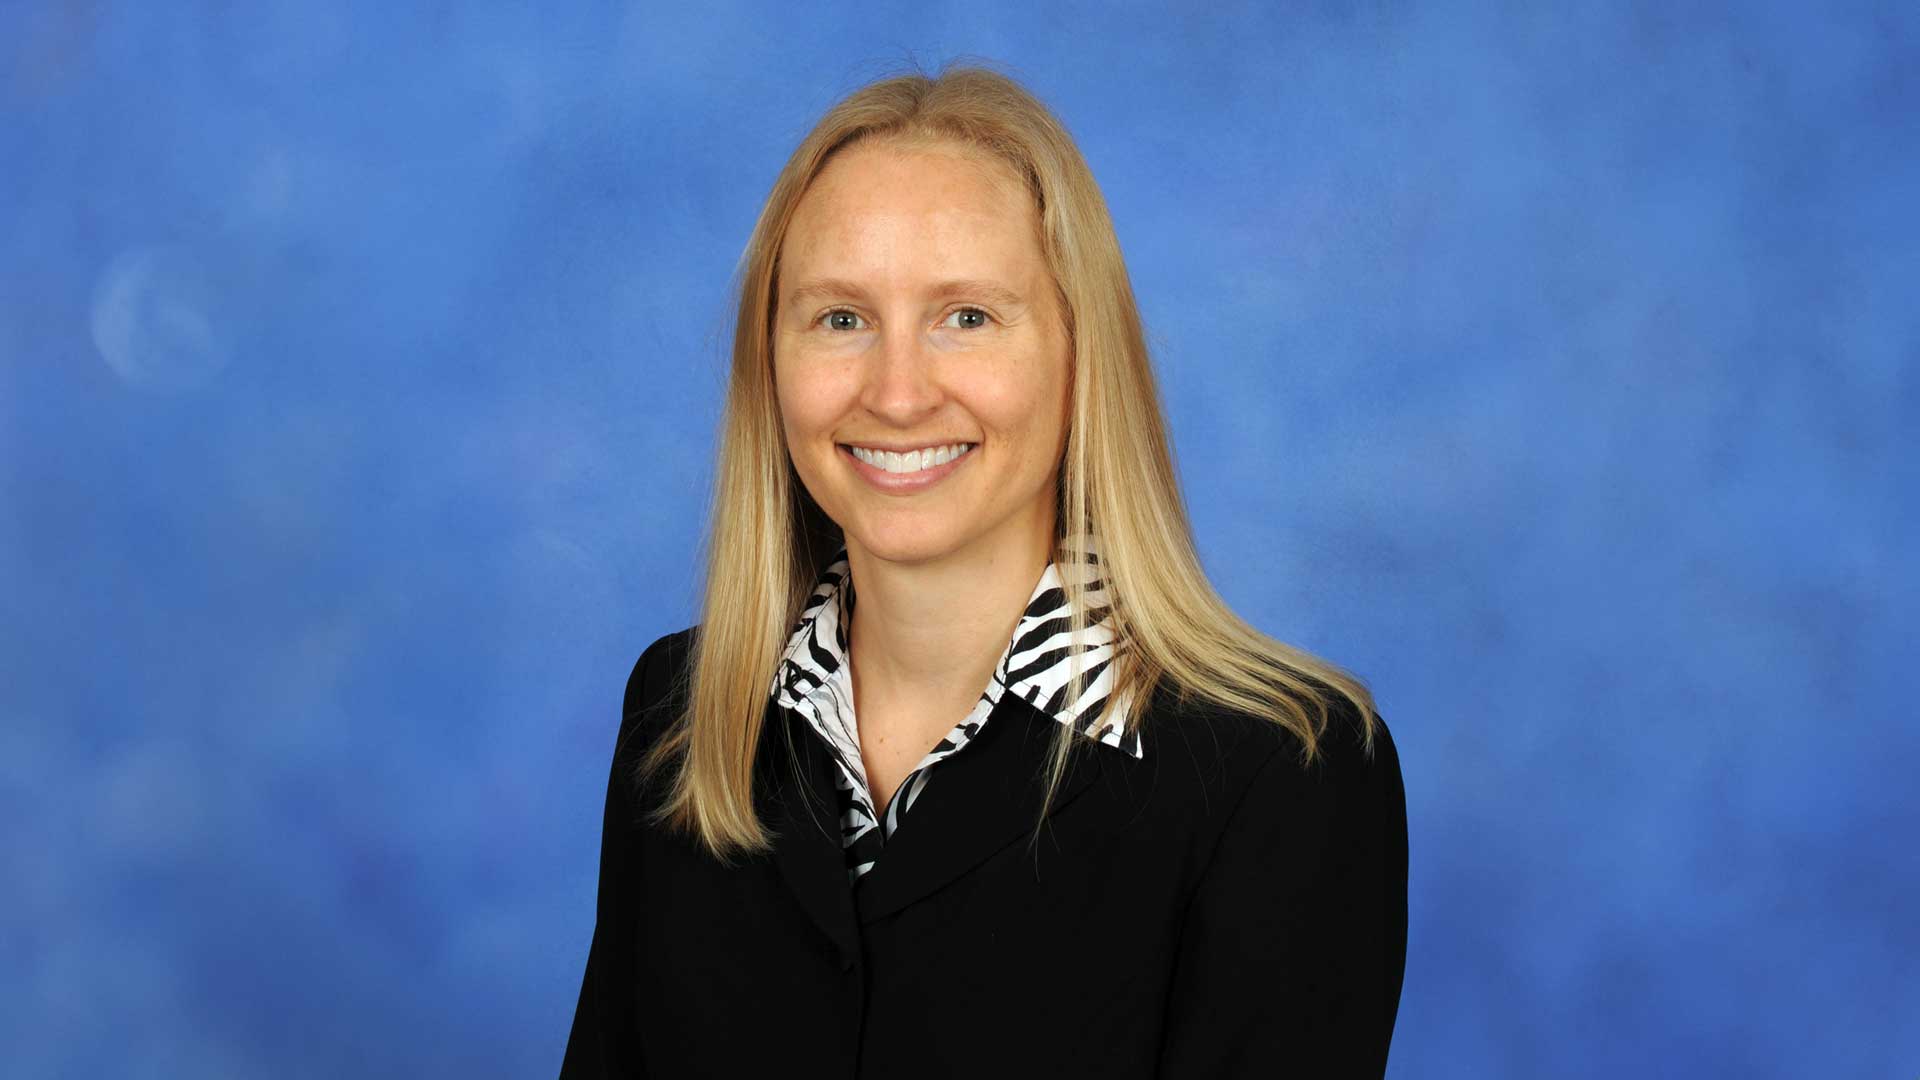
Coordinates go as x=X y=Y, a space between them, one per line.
x=966 y=769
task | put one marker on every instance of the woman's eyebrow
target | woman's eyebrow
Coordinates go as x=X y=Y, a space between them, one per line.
x=985 y=290
x=836 y=288
x=823 y=289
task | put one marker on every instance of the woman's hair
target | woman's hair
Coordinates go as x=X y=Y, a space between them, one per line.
x=767 y=540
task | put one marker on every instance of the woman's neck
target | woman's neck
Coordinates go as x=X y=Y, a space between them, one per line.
x=926 y=635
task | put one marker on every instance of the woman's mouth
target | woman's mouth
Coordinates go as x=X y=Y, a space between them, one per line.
x=912 y=461
x=910 y=471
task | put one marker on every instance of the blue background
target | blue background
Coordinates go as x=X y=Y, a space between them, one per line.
x=1551 y=366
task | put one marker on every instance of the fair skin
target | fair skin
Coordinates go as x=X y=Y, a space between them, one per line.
x=915 y=309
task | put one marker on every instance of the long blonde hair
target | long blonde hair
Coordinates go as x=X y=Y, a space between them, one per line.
x=767 y=541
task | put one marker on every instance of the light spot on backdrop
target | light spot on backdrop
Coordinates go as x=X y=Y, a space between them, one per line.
x=159 y=321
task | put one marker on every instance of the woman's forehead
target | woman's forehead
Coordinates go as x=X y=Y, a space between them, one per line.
x=895 y=204
x=921 y=173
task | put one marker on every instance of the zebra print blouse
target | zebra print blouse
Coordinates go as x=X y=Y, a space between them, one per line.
x=815 y=680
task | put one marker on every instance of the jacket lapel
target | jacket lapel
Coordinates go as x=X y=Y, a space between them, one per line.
x=805 y=815
x=977 y=802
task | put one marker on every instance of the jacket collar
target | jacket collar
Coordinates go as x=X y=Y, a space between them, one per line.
x=990 y=798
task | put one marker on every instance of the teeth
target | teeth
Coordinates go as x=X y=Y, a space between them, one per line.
x=913 y=460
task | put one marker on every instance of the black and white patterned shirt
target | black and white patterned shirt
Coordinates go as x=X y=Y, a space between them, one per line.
x=815 y=680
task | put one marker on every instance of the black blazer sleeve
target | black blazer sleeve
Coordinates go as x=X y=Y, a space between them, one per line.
x=603 y=1042
x=1292 y=952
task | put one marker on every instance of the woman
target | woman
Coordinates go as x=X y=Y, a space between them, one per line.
x=812 y=857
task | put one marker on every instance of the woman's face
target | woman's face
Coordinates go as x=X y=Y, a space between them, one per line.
x=915 y=311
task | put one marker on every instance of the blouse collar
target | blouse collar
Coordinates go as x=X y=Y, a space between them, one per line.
x=1035 y=665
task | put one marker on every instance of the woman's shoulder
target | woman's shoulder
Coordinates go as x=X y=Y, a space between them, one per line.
x=662 y=666
x=1246 y=754
x=656 y=691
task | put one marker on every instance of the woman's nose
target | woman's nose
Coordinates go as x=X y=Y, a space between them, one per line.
x=900 y=383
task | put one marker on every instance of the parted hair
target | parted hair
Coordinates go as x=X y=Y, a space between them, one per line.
x=767 y=542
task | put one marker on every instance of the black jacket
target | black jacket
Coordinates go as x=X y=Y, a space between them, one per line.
x=1212 y=909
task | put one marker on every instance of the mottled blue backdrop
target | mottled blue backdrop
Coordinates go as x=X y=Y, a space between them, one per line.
x=1553 y=366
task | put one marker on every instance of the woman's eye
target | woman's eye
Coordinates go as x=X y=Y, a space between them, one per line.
x=842 y=320
x=971 y=318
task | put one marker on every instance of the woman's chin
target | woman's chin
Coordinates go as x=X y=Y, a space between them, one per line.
x=903 y=546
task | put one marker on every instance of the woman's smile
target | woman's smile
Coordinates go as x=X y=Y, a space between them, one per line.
x=905 y=473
